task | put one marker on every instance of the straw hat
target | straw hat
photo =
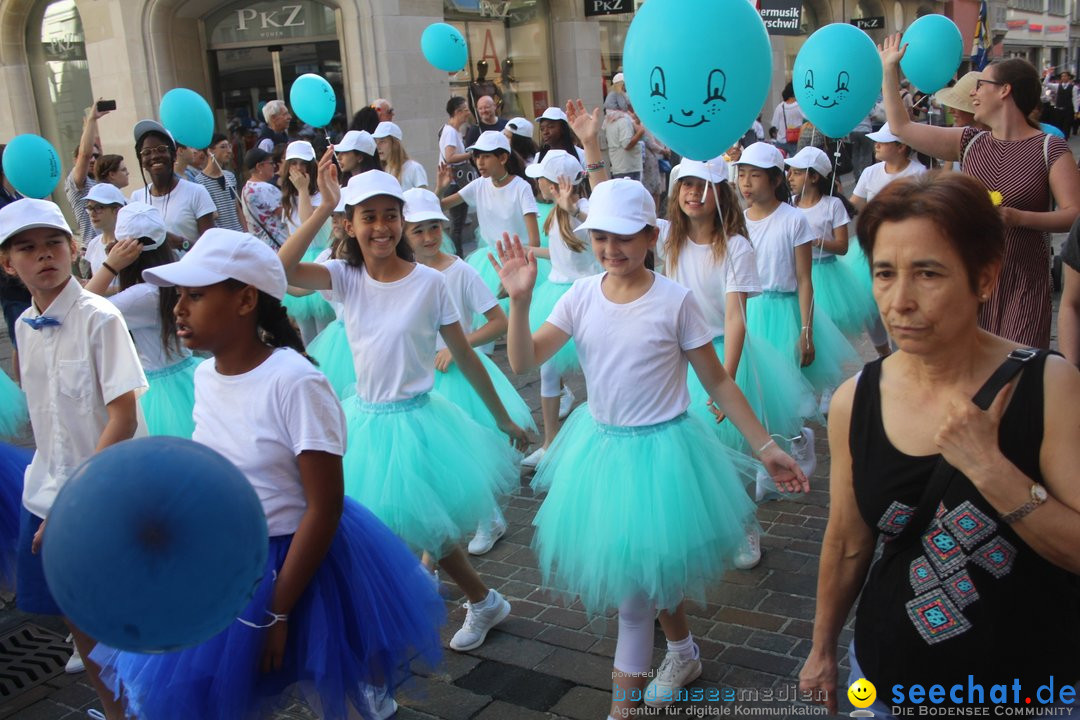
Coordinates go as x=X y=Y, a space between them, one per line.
x=959 y=95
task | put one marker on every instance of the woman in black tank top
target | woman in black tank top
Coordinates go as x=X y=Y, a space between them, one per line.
x=975 y=599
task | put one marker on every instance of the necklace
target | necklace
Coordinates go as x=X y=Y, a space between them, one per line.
x=499 y=182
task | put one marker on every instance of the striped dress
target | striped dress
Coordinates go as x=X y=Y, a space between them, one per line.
x=1019 y=308
x=224 y=197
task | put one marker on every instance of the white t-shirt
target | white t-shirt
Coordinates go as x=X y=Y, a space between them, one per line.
x=619 y=132
x=392 y=328
x=413 y=175
x=292 y=222
x=262 y=420
x=449 y=137
x=139 y=304
x=786 y=116
x=95 y=253
x=500 y=209
x=873 y=179
x=775 y=239
x=825 y=216
x=633 y=354
x=468 y=293
x=567 y=265
x=698 y=272
x=181 y=208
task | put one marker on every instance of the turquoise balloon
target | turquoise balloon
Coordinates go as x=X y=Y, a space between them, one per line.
x=444 y=47
x=837 y=78
x=313 y=100
x=186 y=115
x=935 y=50
x=32 y=166
x=1051 y=130
x=698 y=72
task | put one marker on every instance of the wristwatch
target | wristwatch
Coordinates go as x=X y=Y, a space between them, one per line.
x=1038 y=497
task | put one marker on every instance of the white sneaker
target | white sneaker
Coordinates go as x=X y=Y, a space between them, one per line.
x=487 y=534
x=749 y=554
x=75 y=664
x=826 y=401
x=478 y=622
x=675 y=672
x=802 y=450
x=379 y=701
x=533 y=459
x=566 y=402
x=765 y=487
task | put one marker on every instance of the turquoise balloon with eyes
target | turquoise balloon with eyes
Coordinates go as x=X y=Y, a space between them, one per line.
x=837 y=78
x=697 y=72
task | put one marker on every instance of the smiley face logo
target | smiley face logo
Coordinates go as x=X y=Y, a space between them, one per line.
x=836 y=78
x=692 y=117
x=862 y=693
x=828 y=99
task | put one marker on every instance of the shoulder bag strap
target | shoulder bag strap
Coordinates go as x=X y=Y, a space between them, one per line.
x=964 y=151
x=269 y=235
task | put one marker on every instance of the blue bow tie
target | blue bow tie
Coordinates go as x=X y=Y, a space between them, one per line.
x=41 y=321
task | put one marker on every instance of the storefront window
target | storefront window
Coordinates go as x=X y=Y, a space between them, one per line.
x=509 y=54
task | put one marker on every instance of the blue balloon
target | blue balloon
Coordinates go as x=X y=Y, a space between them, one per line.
x=837 y=78
x=155 y=544
x=935 y=49
x=313 y=100
x=32 y=166
x=1051 y=130
x=186 y=115
x=444 y=47
x=696 y=93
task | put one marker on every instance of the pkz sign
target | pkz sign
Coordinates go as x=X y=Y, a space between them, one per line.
x=608 y=7
x=876 y=22
x=262 y=21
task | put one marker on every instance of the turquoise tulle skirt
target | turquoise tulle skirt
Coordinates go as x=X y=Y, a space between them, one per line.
x=856 y=261
x=170 y=401
x=543 y=302
x=777 y=392
x=369 y=611
x=312 y=306
x=478 y=258
x=841 y=296
x=426 y=469
x=331 y=350
x=775 y=318
x=659 y=510
x=13 y=411
x=13 y=462
x=447 y=245
x=455 y=387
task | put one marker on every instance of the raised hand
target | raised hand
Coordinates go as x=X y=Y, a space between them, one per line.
x=516 y=267
x=298 y=178
x=566 y=197
x=443 y=178
x=585 y=125
x=891 y=51
x=123 y=253
x=327 y=179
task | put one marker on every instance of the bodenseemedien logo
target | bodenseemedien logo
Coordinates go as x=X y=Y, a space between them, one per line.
x=862 y=694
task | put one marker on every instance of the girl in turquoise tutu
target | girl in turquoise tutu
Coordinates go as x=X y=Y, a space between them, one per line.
x=148 y=312
x=416 y=460
x=502 y=197
x=673 y=506
x=343 y=607
x=330 y=348
x=837 y=291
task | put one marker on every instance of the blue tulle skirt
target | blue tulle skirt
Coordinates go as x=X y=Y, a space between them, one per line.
x=367 y=613
x=312 y=306
x=777 y=392
x=13 y=462
x=331 y=350
x=169 y=403
x=455 y=387
x=659 y=510
x=13 y=411
x=775 y=318
x=856 y=261
x=426 y=469
x=478 y=259
x=543 y=302
x=840 y=295
x=447 y=245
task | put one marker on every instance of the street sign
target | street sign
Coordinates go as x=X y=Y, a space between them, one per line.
x=782 y=17
x=608 y=7
x=876 y=22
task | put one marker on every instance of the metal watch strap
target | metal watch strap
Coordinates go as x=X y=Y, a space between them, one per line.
x=1025 y=509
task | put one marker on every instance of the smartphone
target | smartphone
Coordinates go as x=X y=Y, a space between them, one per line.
x=106 y=105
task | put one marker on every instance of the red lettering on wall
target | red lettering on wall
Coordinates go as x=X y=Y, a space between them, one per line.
x=489 y=44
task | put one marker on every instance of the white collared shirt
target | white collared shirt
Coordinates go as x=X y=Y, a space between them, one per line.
x=70 y=372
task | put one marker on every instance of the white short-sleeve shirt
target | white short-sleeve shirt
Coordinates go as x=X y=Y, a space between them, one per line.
x=567 y=265
x=775 y=239
x=139 y=305
x=468 y=293
x=181 y=208
x=262 y=420
x=633 y=354
x=825 y=216
x=293 y=221
x=698 y=271
x=413 y=175
x=450 y=137
x=392 y=328
x=70 y=372
x=874 y=179
x=500 y=209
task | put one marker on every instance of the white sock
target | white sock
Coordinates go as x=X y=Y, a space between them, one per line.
x=486 y=602
x=686 y=648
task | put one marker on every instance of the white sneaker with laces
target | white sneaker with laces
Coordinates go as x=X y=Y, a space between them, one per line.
x=379 y=701
x=488 y=533
x=566 y=402
x=75 y=664
x=478 y=621
x=749 y=554
x=533 y=459
x=802 y=450
x=675 y=672
x=826 y=401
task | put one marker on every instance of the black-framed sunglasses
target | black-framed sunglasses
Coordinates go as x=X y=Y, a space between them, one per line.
x=982 y=81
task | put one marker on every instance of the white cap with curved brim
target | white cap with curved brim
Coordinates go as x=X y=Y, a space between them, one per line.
x=359 y=141
x=811 y=158
x=106 y=194
x=30 y=213
x=555 y=165
x=490 y=141
x=300 y=150
x=139 y=221
x=553 y=113
x=220 y=255
x=714 y=171
x=387 y=129
x=370 y=184
x=520 y=126
x=621 y=207
x=884 y=135
x=762 y=155
x=422 y=205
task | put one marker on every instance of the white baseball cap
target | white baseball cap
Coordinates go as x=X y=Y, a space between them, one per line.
x=138 y=221
x=618 y=78
x=714 y=171
x=520 y=126
x=387 y=129
x=621 y=206
x=762 y=155
x=557 y=164
x=300 y=150
x=553 y=113
x=811 y=158
x=357 y=141
x=220 y=255
x=340 y=205
x=421 y=205
x=884 y=135
x=370 y=184
x=490 y=141
x=106 y=194
x=27 y=214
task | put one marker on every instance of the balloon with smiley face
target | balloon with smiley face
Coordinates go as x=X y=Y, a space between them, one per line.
x=837 y=78
x=695 y=92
